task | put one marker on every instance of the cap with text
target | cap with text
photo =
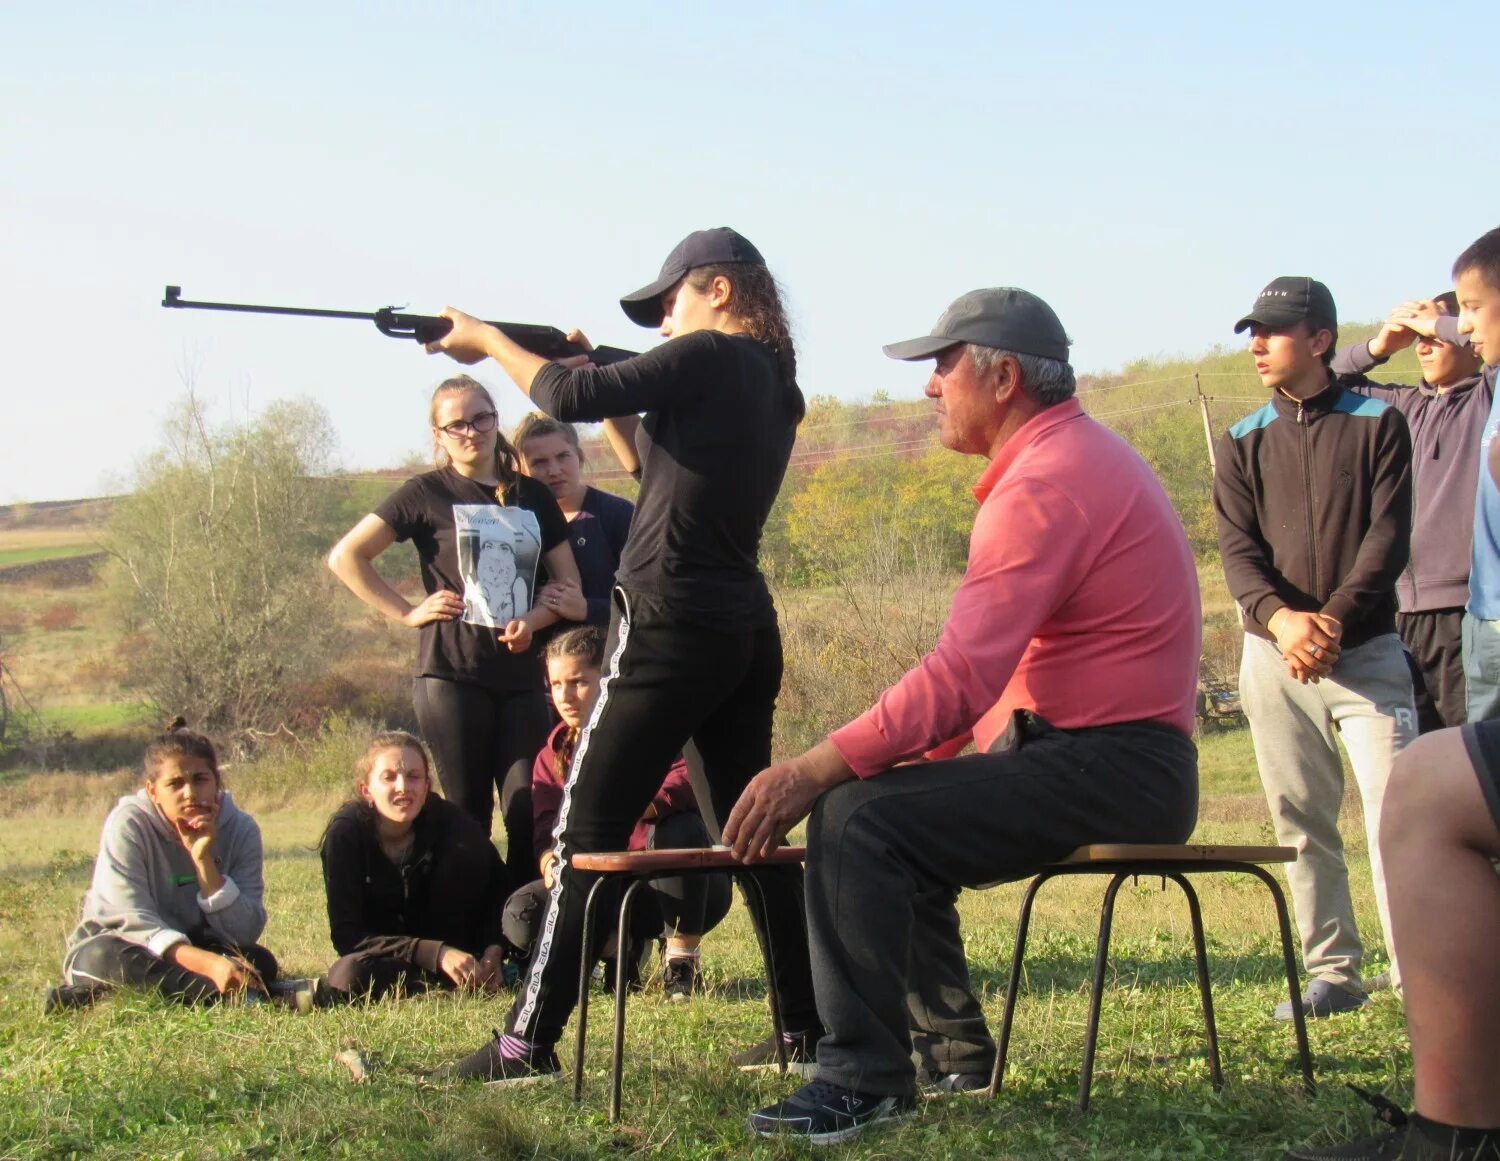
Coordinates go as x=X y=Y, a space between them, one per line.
x=1291 y=299
x=1002 y=317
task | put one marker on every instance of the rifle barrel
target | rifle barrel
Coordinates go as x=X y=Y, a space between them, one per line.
x=173 y=297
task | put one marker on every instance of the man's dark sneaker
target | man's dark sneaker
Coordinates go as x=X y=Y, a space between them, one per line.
x=64 y=997
x=824 y=1113
x=801 y=1053
x=506 y=1060
x=934 y=1084
x=679 y=978
x=1323 y=999
x=1385 y=1145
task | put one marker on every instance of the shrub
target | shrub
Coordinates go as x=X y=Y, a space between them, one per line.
x=57 y=617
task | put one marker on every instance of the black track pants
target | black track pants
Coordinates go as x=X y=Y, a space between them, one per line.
x=106 y=960
x=483 y=740
x=666 y=684
x=886 y=857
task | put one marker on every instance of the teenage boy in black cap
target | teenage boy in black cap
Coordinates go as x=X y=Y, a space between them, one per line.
x=1446 y=412
x=1313 y=495
x=1070 y=657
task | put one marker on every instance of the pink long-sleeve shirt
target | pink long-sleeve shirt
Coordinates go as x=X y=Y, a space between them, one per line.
x=1080 y=603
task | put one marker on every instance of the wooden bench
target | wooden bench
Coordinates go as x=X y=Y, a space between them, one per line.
x=640 y=867
x=1126 y=861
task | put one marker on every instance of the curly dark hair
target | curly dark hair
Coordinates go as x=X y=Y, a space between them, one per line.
x=755 y=301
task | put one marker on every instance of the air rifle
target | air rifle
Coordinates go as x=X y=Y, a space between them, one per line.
x=548 y=342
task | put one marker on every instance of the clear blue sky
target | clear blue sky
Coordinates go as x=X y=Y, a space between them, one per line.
x=1145 y=167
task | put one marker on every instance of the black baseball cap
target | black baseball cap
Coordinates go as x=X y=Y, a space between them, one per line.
x=715 y=247
x=1002 y=317
x=1292 y=299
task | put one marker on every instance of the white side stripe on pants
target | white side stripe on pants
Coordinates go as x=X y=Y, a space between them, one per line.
x=549 y=924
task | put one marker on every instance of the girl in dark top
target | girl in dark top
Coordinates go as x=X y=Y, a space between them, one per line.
x=415 y=888
x=598 y=522
x=694 y=653
x=679 y=909
x=481 y=530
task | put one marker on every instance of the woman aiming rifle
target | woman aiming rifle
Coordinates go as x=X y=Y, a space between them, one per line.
x=693 y=654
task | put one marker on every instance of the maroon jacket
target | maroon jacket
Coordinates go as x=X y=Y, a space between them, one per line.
x=674 y=797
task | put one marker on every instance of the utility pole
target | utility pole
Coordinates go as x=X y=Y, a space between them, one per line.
x=1208 y=423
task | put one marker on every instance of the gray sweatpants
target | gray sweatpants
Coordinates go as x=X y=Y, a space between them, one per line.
x=886 y=857
x=1368 y=701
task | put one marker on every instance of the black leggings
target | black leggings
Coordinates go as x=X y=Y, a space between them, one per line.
x=669 y=687
x=106 y=960
x=483 y=740
x=671 y=905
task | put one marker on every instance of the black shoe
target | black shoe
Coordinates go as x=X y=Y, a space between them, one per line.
x=679 y=978
x=63 y=997
x=1383 y=1146
x=1323 y=999
x=824 y=1113
x=801 y=1053
x=494 y=1067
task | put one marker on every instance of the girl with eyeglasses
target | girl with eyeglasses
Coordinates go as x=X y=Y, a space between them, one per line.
x=478 y=685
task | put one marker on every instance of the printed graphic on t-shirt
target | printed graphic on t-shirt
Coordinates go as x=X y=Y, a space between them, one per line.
x=498 y=549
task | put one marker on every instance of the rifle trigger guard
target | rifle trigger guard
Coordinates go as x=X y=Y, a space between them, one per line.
x=393 y=325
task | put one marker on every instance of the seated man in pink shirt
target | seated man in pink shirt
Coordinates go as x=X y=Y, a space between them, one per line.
x=1069 y=658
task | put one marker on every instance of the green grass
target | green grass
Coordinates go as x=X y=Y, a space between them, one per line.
x=14 y=556
x=132 y=1077
x=96 y=717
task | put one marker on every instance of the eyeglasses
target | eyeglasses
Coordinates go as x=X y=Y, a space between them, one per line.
x=484 y=421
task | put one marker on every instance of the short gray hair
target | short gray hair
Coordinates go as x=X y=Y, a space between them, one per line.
x=1048 y=381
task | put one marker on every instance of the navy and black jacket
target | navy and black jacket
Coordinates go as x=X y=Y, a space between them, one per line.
x=1314 y=509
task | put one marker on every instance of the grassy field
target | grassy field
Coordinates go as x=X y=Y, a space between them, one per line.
x=133 y=1078
x=28 y=545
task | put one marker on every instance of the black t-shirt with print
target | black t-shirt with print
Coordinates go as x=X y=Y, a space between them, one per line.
x=503 y=540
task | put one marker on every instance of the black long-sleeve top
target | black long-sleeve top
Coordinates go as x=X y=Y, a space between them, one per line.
x=1314 y=509
x=449 y=889
x=714 y=442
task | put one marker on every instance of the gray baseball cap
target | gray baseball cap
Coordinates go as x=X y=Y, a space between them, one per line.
x=1002 y=317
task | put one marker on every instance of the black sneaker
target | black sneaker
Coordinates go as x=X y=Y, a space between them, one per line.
x=679 y=979
x=824 y=1113
x=1383 y=1146
x=496 y=1067
x=64 y=997
x=801 y=1053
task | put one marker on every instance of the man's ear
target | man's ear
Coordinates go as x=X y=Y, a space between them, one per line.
x=1008 y=377
x=1322 y=341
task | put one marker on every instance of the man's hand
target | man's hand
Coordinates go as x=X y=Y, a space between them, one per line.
x=469 y=340
x=780 y=797
x=1308 y=640
x=227 y=975
x=1419 y=316
x=459 y=966
x=1394 y=335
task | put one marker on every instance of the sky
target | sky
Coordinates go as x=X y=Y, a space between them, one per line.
x=1146 y=168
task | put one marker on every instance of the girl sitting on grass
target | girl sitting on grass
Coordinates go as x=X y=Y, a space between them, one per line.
x=680 y=909
x=175 y=905
x=415 y=887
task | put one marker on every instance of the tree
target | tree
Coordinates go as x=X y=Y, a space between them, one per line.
x=219 y=563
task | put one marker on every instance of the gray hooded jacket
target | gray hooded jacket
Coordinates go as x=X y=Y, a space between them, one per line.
x=146 y=891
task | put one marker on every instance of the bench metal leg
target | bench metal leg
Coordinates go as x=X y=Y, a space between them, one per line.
x=1299 y=1020
x=622 y=987
x=1101 y=961
x=750 y=881
x=1023 y=924
x=1205 y=987
x=585 y=968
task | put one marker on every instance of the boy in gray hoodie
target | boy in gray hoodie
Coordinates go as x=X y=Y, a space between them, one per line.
x=176 y=900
